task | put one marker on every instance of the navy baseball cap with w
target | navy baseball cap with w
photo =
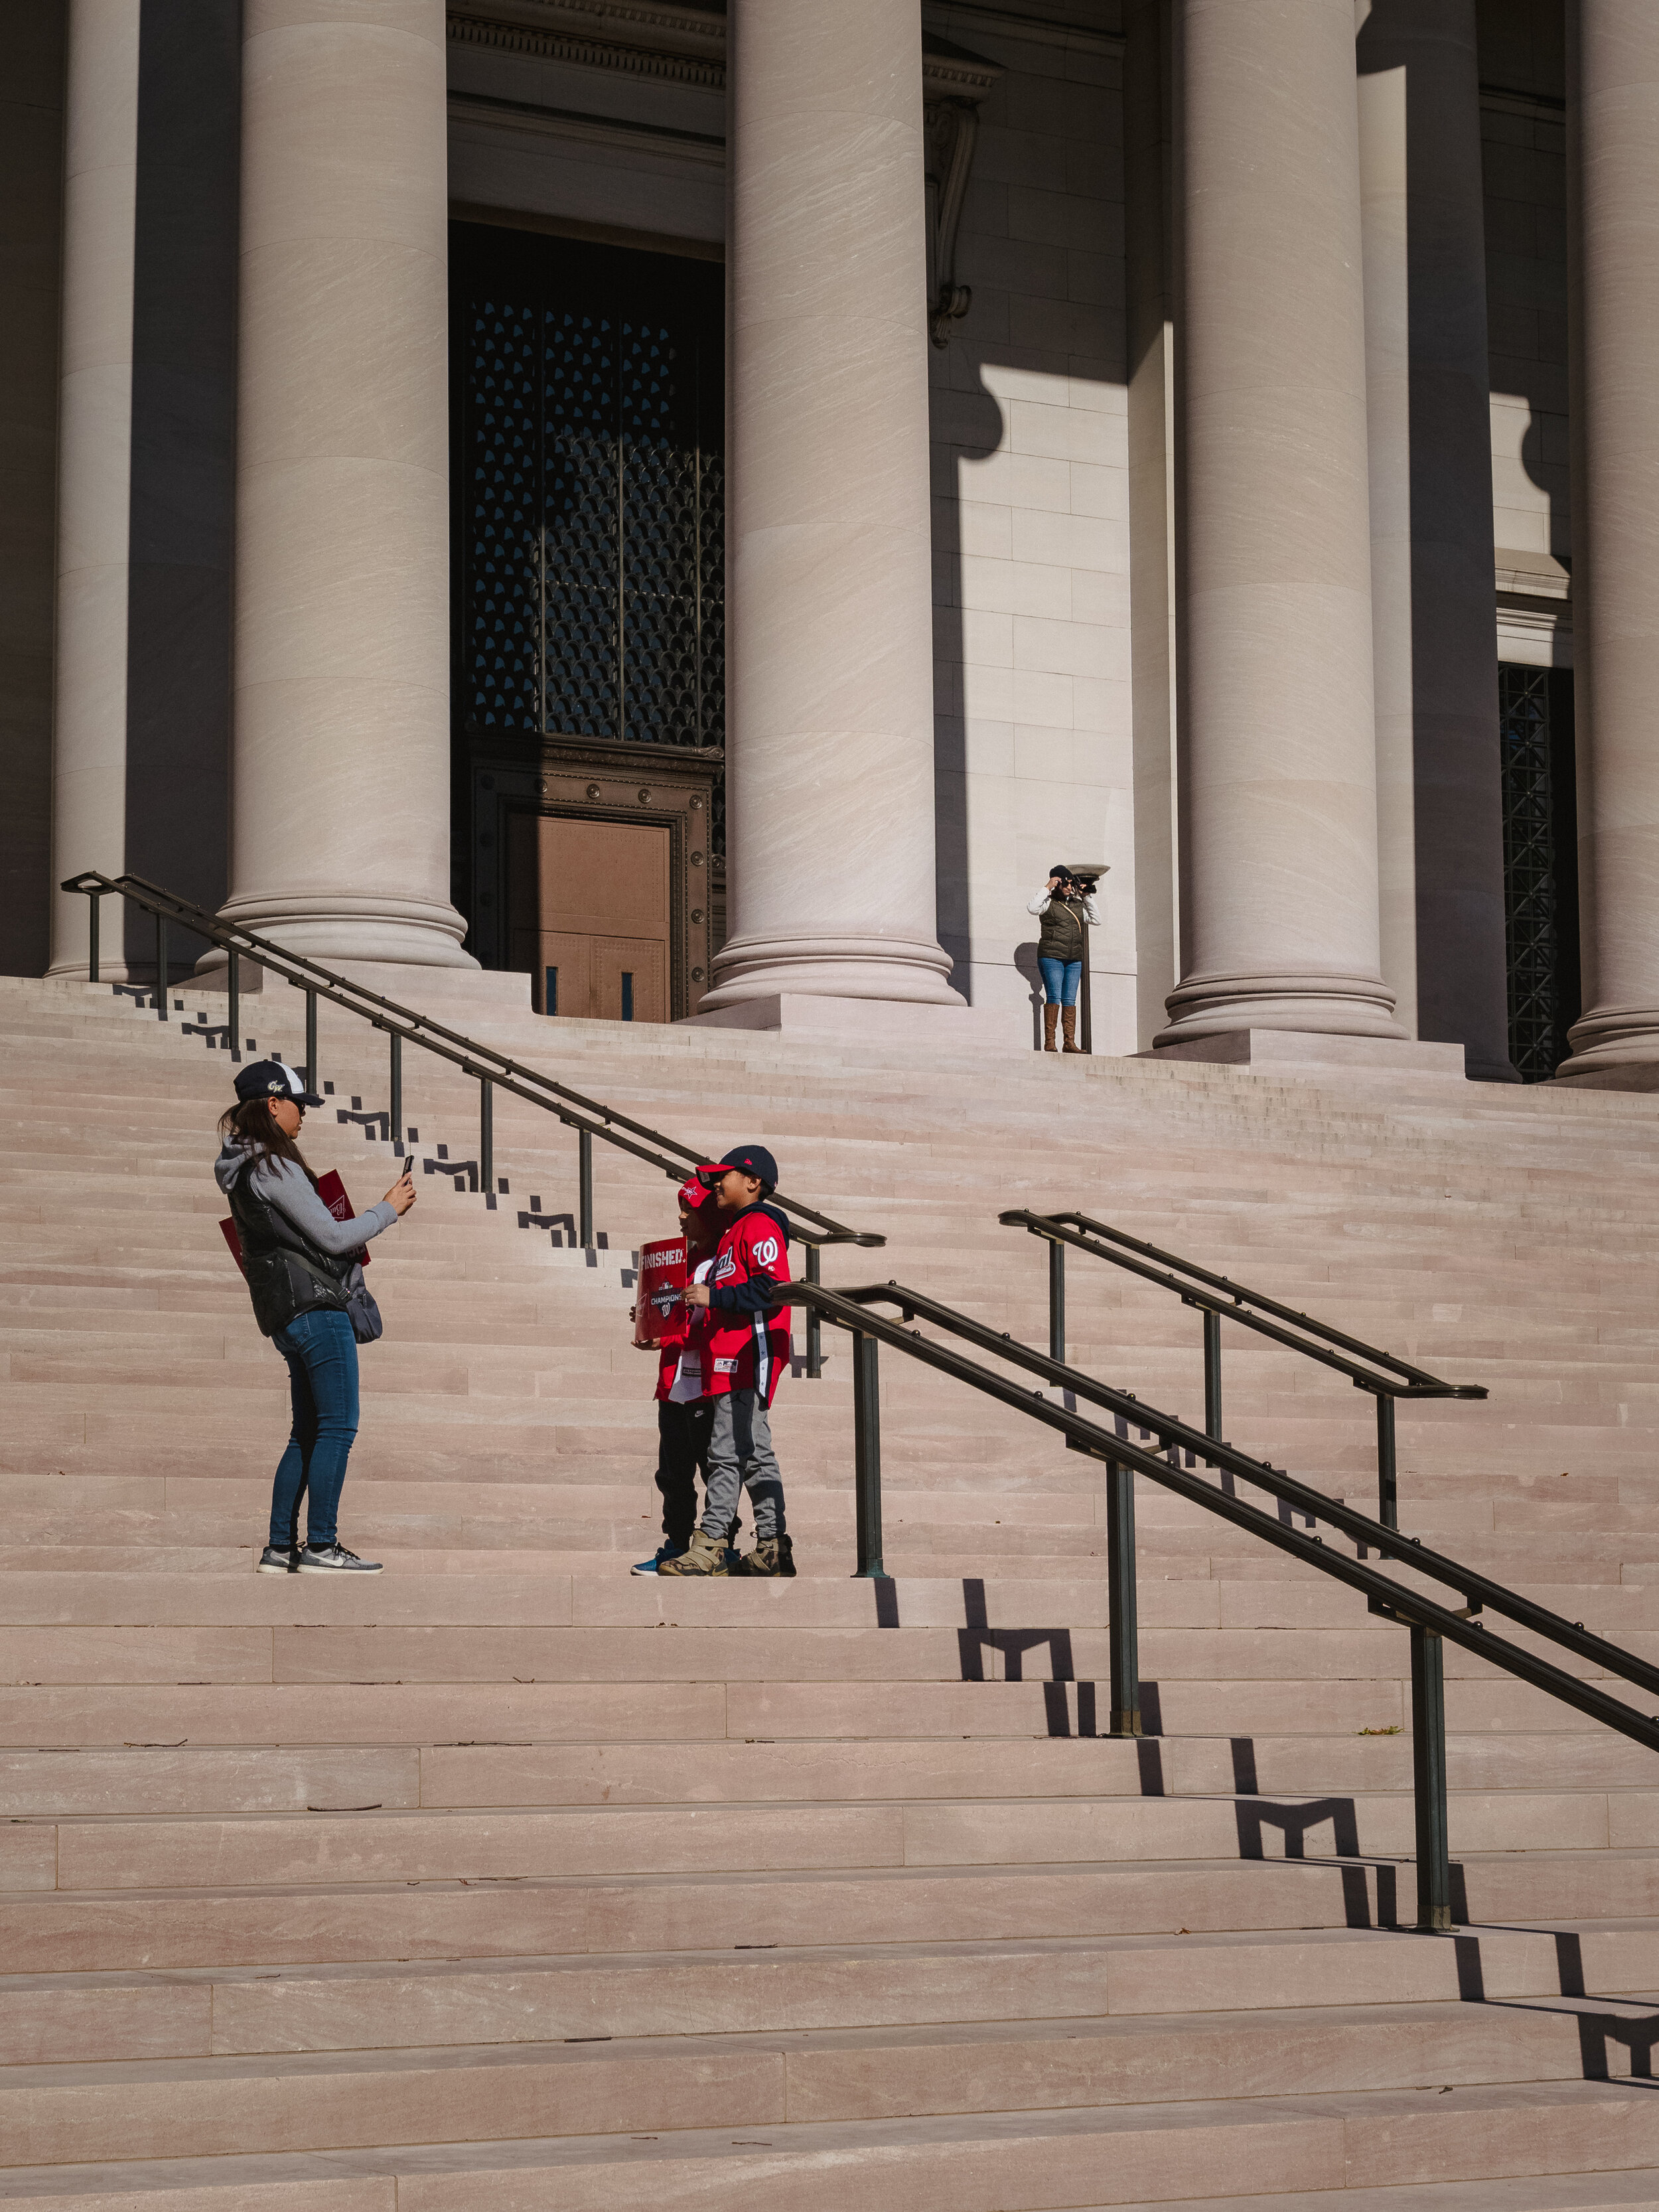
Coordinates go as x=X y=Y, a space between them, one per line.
x=274 y=1078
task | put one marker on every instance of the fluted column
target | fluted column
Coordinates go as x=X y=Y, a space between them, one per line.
x=830 y=654
x=1439 y=808
x=1279 y=927
x=1612 y=170
x=340 y=812
x=94 y=464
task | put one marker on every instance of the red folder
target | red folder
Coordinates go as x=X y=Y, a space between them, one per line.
x=662 y=1277
x=332 y=1193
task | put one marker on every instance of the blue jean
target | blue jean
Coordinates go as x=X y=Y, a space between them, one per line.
x=1061 y=979
x=322 y=1367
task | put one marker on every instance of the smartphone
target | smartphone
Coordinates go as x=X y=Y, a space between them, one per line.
x=409 y=1165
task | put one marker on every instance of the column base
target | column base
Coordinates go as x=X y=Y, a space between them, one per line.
x=914 y=971
x=1613 y=1049
x=1630 y=1075
x=334 y=926
x=1317 y=1054
x=452 y=995
x=869 y=1021
x=1338 y=1005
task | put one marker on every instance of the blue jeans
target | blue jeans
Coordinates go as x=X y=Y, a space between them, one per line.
x=322 y=1367
x=1061 y=979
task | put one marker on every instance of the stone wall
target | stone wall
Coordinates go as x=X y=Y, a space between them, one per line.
x=1030 y=529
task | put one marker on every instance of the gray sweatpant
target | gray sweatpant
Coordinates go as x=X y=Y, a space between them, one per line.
x=740 y=1454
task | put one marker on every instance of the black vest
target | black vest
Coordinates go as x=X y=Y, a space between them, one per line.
x=287 y=1273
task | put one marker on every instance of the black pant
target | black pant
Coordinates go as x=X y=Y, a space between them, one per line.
x=681 y=1456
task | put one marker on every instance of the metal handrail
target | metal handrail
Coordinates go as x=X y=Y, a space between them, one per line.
x=1431 y=1623
x=492 y=1070
x=1384 y=1376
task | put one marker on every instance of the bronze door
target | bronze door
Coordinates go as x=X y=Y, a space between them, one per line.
x=589 y=903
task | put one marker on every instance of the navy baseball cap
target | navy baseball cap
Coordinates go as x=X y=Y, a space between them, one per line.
x=274 y=1078
x=755 y=1160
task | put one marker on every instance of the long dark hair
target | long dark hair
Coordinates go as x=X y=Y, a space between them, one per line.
x=249 y=1119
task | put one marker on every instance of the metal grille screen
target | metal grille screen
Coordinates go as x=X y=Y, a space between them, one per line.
x=592 y=557
x=1539 y=866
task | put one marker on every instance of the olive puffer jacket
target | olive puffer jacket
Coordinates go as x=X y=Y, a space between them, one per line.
x=1063 y=920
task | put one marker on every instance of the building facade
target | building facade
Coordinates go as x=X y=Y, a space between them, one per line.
x=702 y=507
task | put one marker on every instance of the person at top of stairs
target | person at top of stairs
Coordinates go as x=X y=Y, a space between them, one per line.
x=1066 y=907
x=301 y=1263
x=685 y=1412
x=745 y=1351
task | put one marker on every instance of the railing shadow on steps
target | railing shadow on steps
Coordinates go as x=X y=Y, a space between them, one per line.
x=1380 y=1373
x=492 y=1071
x=1181 y=1450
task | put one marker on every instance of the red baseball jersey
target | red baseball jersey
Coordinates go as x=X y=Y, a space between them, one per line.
x=748 y=1350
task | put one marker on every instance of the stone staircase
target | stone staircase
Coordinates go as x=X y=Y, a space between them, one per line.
x=506 y=1881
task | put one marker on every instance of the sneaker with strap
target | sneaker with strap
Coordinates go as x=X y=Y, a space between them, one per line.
x=334 y=1559
x=706 y=1556
x=772 y=1556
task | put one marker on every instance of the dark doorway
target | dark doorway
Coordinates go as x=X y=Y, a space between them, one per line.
x=1541 y=864
x=588 y=585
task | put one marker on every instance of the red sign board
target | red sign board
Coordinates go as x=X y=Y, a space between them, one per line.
x=332 y=1193
x=662 y=1277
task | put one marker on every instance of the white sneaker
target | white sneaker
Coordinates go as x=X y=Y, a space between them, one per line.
x=335 y=1559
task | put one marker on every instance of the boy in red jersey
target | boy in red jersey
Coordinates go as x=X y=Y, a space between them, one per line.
x=744 y=1354
x=685 y=1413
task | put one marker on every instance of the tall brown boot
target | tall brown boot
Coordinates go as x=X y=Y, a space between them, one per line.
x=1069 y=1020
x=1050 y=1018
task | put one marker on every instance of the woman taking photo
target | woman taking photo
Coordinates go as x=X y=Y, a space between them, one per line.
x=1065 y=903
x=303 y=1271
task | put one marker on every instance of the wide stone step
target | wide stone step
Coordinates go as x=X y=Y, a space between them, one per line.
x=48 y=1930
x=102 y=2018
x=361 y=1841
x=306 y=2100
x=179 y=1779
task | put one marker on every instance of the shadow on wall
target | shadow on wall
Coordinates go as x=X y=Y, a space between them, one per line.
x=184 y=460
x=1025 y=960
x=967 y=425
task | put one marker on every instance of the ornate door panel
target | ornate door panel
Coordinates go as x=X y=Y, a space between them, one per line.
x=591 y=913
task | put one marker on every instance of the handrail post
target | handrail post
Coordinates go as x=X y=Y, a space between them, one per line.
x=92 y=936
x=585 y=1188
x=1122 y=1626
x=312 y=1083
x=161 y=969
x=867 y=1455
x=1212 y=1374
x=1428 y=1781
x=1388 y=1495
x=814 y=1319
x=1056 y=1300
x=486 y=1134
x=233 y=1004
x=397 y=1117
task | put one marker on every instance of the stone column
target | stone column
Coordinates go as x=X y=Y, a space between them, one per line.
x=1440 y=805
x=1280 y=911
x=32 y=83
x=830 y=652
x=95 y=446
x=1613 y=172
x=1147 y=161
x=340 y=806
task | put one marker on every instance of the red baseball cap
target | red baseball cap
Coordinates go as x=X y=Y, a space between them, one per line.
x=692 y=1195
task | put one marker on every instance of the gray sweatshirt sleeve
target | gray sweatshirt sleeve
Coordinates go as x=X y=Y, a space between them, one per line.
x=279 y=1183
